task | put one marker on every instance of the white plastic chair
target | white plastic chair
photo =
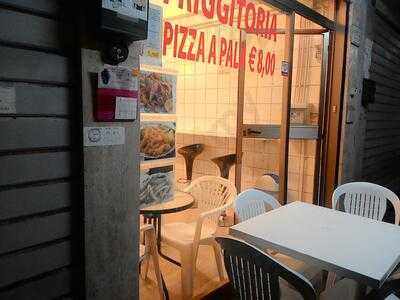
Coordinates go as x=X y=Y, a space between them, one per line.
x=213 y=195
x=256 y=275
x=366 y=199
x=253 y=202
x=147 y=251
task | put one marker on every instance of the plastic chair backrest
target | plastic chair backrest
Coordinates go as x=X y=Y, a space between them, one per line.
x=365 y=199
x=211 y=192
x=252 y=202
x=255 y=275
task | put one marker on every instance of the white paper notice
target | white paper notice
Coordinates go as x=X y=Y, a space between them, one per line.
x=367 y=57
x=103 y=136
x=125 y=108
x=116 y=77
x=7 y=100
x=152 y=46
x=132 y=8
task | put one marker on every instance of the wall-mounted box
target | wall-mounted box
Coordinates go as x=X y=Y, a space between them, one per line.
x=126 y=18
x=368 y=92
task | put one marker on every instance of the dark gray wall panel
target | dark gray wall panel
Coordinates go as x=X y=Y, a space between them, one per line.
x=16 y=27
x=48 y=287
x=34 y=199
x=35 y=205
x=42 y=100
x=51 y=7
x=20 y=133
x=28 y=264
x=34 y=167
x=34 y=231
x=382 y=144
x=27 y=65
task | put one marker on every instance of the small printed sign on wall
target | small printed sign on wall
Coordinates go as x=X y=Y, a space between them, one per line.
x=103 y=136
x=7 y=99
x=125 y=108
x=285 y=68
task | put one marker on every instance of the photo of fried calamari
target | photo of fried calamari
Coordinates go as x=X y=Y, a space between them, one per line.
x=157 y=140
x=157 y=92
x=156 y=185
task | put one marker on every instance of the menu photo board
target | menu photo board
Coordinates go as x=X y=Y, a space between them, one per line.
x=156 y=185
x=157 y=92
x=157 y=140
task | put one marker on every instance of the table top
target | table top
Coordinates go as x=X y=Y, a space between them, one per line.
x=351 y=246
x=180 y=202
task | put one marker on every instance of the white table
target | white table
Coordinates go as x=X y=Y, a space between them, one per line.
x=351 y=246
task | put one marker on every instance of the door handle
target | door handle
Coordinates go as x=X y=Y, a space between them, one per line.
x=252 y=131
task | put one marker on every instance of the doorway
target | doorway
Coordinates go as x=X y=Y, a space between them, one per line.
x=281 y=114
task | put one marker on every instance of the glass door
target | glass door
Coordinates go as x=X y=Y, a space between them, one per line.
x=262 y=106
x=280 y=111
x=310 y=55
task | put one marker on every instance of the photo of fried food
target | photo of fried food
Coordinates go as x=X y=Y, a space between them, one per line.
x=156 y=92
x=157 y=140
x=156 y=185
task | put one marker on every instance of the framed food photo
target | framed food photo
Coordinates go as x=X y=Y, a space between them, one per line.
x=157 y=92
x=156 y=185
x=157 y=140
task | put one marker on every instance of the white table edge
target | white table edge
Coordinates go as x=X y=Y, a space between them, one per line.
x=258 y=242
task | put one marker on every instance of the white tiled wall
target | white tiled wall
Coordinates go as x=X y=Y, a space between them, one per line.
x=207 y=109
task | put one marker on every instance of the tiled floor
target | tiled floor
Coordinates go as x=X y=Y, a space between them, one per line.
x=206 y=276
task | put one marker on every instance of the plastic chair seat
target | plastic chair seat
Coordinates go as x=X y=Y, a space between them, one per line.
x=312 y=273
x=181 y=234
x=345 y=289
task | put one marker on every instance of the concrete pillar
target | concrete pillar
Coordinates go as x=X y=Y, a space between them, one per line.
x=111 y=185
x=360 y=26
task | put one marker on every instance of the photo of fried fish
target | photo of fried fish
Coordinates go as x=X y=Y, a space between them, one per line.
x=156 y=185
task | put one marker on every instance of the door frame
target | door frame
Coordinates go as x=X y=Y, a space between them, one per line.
x=330 y=120
x=335 y=92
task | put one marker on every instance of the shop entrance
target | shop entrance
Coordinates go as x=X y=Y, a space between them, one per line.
x=248 y=93
x=281 y=114
x=240 y=91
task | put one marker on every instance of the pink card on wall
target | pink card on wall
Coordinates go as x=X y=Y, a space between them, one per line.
x=116 y=85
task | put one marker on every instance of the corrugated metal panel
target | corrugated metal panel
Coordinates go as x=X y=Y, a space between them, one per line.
x=382 y=144
x=23 y=133
x=34 y=231
x=48 y=7
x=22 y=266
x=41 y=100
x=39 y=159
x=33 y=200
x=48 y=287
x=34 y=66
x=43 y=32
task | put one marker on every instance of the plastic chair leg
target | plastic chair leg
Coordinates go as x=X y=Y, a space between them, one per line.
x=145 y=267
x=157 y=272
x=218 y=260
x=187 y=273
